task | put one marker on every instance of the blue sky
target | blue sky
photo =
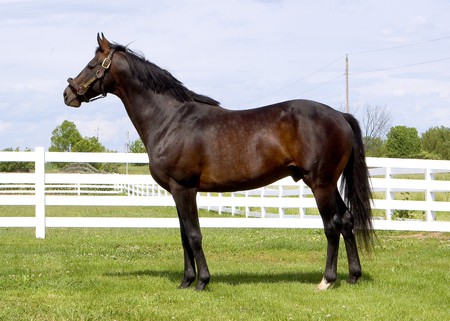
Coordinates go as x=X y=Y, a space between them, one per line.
x=244 y=53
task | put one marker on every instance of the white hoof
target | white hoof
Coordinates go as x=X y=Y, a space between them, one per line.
x=324 y=285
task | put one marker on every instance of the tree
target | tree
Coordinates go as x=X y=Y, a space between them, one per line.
x=137 y=147
x=374 y=146
x=376 y=123
x=403 y=142
x=15 y=167
x=436 y=142
x=64 y=137
x=67 y=138
x=89 y=144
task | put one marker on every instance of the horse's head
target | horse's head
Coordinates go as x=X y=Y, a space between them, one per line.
x=94 y=80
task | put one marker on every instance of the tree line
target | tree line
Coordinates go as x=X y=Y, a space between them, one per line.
x=382 y=140
x=404 y=142
x=67 y=138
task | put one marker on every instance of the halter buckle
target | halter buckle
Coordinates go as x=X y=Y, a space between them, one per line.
x=106 y=63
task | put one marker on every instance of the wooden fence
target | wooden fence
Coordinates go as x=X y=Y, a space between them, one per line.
x=400 y=186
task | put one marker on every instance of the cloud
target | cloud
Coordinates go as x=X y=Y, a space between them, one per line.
x=243 y=53
x=420 y=20
x=5 y=128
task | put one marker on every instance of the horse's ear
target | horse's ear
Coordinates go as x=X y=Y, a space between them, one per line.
x=103 y=42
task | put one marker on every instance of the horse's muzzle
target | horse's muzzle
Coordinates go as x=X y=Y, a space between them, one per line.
x=71 y=98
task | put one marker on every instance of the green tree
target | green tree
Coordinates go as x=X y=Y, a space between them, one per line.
x=15 y=167
x=403 y=142
x=67 y=138
x=64 y=137
x=436 y=142
x=89 y=145
x=137 y=147
x=92 y=145
x=374 y=146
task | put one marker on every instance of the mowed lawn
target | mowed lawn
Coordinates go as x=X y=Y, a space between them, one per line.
x=257 y=274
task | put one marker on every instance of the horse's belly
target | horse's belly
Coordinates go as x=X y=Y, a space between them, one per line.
x=230 y=179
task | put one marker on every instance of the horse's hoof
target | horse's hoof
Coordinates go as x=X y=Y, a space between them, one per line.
x=324 y=285
x=201 y=285
x=186 y=283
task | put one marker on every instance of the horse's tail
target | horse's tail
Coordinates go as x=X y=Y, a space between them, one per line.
x=356 y=187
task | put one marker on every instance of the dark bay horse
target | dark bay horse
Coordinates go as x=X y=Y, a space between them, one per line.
x=194 y=145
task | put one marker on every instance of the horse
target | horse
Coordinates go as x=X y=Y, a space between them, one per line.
x=195 y=145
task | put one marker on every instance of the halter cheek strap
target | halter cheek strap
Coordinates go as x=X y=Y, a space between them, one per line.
x=97 y=75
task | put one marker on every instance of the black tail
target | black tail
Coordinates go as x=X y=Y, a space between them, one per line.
x=356 y=186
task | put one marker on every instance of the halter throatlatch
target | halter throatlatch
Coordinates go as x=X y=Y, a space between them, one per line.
x=97 y=75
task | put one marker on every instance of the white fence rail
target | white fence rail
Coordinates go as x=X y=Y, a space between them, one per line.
x=284 y=204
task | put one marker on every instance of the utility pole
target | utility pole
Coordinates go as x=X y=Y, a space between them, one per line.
x=347 y=107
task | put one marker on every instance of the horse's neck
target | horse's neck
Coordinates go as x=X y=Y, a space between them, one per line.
x=148 y=112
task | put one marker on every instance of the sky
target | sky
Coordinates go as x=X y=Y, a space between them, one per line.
x=243 y=53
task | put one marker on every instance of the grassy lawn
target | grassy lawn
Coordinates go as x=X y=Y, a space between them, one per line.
x=257 y=274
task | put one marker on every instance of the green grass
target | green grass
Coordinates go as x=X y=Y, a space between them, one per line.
x=257 y=274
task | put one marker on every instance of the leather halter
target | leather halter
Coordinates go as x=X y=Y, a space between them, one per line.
x=96 y=75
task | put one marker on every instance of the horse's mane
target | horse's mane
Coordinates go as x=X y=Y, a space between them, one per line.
x=158 y=79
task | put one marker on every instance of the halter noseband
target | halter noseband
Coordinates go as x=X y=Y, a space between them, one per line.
x=97 y=75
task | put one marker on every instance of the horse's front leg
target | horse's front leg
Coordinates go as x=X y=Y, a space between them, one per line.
x=189 y=259
x=191 y=237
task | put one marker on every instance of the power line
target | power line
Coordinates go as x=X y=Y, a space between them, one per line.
x=323 y=68
x=399 y=46
x=322 y=84
x=401 y=67
x=355 y=73
x=299 y=80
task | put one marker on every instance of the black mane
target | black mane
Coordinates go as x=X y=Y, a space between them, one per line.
x=160 y=80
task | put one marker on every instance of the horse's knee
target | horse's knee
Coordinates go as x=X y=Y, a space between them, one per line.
x=195 y=240
x=333 y=228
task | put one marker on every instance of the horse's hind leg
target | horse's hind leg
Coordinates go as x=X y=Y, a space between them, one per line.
x=354 y=265
x=332 y=223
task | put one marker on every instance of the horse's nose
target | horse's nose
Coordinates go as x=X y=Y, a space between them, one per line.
x=65 y=95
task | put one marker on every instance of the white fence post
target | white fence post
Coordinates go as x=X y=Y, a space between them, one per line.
x=389 y=194
x=429 y=197
x=40 y=192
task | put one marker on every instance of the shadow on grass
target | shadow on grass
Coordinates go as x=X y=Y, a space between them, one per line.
x=233 y=278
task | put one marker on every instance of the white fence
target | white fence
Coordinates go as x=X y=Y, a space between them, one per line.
x=283 y=204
